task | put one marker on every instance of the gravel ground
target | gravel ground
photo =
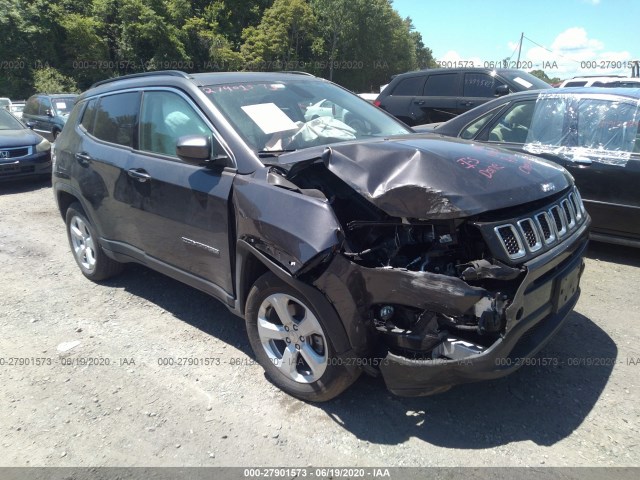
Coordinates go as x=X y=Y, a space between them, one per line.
x=95 y=391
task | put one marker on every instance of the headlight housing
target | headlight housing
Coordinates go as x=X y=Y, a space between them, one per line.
x=43 y=146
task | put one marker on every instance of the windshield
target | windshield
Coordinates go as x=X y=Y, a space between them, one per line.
x=63 y=105
x=294 y=114
x=525 y=80
x=8 y=121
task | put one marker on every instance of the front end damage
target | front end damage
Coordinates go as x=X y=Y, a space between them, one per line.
x=455 y=289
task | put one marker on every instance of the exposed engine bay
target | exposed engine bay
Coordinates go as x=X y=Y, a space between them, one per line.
x=465 y=292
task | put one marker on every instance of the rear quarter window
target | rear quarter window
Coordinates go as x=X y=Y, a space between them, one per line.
x=89 y=115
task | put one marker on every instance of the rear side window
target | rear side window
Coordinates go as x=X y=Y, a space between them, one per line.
x=31 y=108
x=441 y=85
x=575 y=84
x=116 y=118
x=480 y=85
x=411 y=86
x=44 y=104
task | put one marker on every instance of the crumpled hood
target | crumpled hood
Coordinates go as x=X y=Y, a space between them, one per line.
x=435 y=177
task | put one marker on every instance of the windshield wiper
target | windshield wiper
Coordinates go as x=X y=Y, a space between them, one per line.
x=273 y=153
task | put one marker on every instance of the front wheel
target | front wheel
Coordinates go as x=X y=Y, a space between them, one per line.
x=83 y=240
x=293 y=344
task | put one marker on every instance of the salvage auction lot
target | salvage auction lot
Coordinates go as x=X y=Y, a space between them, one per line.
x=143 y=370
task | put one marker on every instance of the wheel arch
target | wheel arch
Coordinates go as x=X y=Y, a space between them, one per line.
x=66 y=195
x=251 y=264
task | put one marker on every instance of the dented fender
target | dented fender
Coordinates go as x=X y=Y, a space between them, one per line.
x=287 y=226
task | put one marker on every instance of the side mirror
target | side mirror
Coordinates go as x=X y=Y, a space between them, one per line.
x=196 y=150
x=30 y=125
x=502 y=90
x=48 y=112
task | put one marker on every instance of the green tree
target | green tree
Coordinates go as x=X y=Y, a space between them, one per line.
x=543 y=76
x=424 y=55
x=86 y=52
x=15 y=76
x=335 y=18
x=233 y=16
x=50 y=80
x=283 y=38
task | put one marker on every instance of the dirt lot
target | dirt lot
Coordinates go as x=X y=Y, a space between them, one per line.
x=69 y=408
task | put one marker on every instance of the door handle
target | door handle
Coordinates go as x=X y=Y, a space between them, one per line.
x=467 y=104
x=83 y=158
x=139 y=174
x=419 y=102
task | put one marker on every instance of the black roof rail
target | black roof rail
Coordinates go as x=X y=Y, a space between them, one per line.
x=599 y=76
x=297 y=72
x=155 y=73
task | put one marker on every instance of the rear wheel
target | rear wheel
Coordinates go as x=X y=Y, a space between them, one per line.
x=83 y=240
x=293 y=343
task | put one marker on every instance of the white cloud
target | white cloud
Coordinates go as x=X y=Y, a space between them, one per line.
x=574 y=53
x=592 y=2
x=575 y=39
x=571 y=53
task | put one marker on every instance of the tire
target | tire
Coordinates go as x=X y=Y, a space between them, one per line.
x=55 y=134
x=293 y=343
x=85 y=247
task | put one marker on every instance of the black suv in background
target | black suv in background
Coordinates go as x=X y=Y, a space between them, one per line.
x=47 y=114
x=346 y=242
x=438 y=95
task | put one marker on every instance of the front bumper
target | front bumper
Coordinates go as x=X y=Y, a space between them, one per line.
x=546 y=296
x=38 y=164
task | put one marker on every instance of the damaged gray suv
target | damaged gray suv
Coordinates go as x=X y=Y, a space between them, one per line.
x=347 y=242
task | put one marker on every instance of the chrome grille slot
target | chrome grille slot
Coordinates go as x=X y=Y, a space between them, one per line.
x=559 y=221
x=544 y=223
x=530 y=234
x=569 y=214
x=576 y=207
x=580 y=202
x=524 y=237
x=510 y=241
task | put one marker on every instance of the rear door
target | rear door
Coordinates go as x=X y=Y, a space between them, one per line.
x=35 y=114
x=107 y=135
x=400 y=101
x=440 y=99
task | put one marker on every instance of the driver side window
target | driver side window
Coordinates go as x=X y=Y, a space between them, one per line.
x=164 y=118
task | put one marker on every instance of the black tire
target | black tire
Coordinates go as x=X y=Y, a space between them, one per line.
x=55 y=134
x=85 y=247
x=335 y=376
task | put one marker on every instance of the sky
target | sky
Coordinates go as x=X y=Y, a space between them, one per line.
x=565 y=38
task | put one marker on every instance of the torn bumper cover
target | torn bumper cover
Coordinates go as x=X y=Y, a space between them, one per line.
x=548 y=291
